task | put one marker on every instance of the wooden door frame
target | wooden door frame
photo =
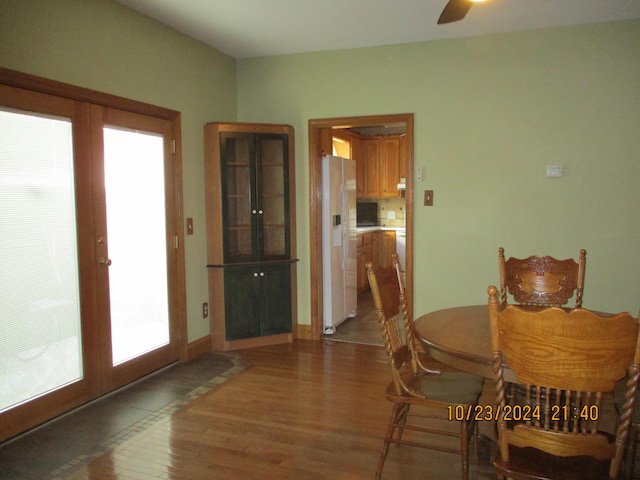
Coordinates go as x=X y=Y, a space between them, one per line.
x=160 y=356
x=45 y=407
x=320 y=144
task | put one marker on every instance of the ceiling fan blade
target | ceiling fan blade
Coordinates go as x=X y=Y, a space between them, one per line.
x=454 y=10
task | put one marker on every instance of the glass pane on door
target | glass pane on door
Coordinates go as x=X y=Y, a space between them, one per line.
x=237 y=157
x=273 y=192
x=136 y=242
x=40 y=330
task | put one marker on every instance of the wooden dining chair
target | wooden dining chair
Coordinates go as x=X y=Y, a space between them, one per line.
x=631 y=448
x=567 y=361
x=542 y=280
x=435 y=394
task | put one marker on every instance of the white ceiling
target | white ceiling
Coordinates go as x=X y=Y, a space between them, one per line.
x=257 y=28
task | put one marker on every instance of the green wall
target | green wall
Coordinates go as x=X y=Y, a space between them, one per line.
x=490 y=113
x=102 y=45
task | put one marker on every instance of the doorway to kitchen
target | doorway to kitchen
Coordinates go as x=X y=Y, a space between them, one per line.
x=321 y=134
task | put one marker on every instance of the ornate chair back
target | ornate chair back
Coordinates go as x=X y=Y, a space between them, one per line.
x=566 y=361
x=542 y=280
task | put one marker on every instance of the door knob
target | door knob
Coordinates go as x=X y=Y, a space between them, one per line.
x=105 y=262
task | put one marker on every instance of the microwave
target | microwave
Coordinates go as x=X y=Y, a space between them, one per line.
x=367 y=214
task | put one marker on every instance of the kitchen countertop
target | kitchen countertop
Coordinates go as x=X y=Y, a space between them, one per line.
x=379 y=228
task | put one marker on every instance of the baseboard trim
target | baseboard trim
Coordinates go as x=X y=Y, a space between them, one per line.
x=198 y=347
x=304 y=332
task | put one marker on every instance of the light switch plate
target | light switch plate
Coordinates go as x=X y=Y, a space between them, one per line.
x=428 y=198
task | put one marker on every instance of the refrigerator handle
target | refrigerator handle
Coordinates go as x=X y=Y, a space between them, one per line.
x=345 y=226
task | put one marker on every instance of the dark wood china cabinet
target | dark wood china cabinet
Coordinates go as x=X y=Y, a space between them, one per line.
x=250 y=233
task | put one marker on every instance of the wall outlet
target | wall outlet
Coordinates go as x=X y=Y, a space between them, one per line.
x=205 y=310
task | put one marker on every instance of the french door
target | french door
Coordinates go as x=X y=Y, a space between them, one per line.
x=92 y=268
x=132 y=242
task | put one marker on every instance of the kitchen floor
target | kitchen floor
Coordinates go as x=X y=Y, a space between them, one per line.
x=49 y=451
x=363 y=328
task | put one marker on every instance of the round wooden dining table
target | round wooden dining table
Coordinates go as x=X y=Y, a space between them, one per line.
x=459 y=337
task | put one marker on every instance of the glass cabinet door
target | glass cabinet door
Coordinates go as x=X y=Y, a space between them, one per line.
x=273 y=195
x=255 y=196
x=237 y=156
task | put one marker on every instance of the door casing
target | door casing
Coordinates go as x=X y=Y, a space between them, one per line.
x=137 y=367
x=28 y=92
x=320 y=133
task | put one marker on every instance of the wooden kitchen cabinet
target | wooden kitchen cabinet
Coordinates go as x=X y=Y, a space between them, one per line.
x=249 y=175
x=387 y=247
x=376 y=247
x=364 y=256
x=389 y=166
x=370 y=167
x=383 y=245
x=379 y=166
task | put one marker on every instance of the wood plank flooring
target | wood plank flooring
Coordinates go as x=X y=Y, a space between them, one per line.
x=311 y=410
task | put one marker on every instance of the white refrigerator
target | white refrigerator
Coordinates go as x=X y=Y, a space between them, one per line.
x=339 y=260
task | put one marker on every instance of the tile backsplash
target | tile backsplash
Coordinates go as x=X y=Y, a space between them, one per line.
x=388 y=208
